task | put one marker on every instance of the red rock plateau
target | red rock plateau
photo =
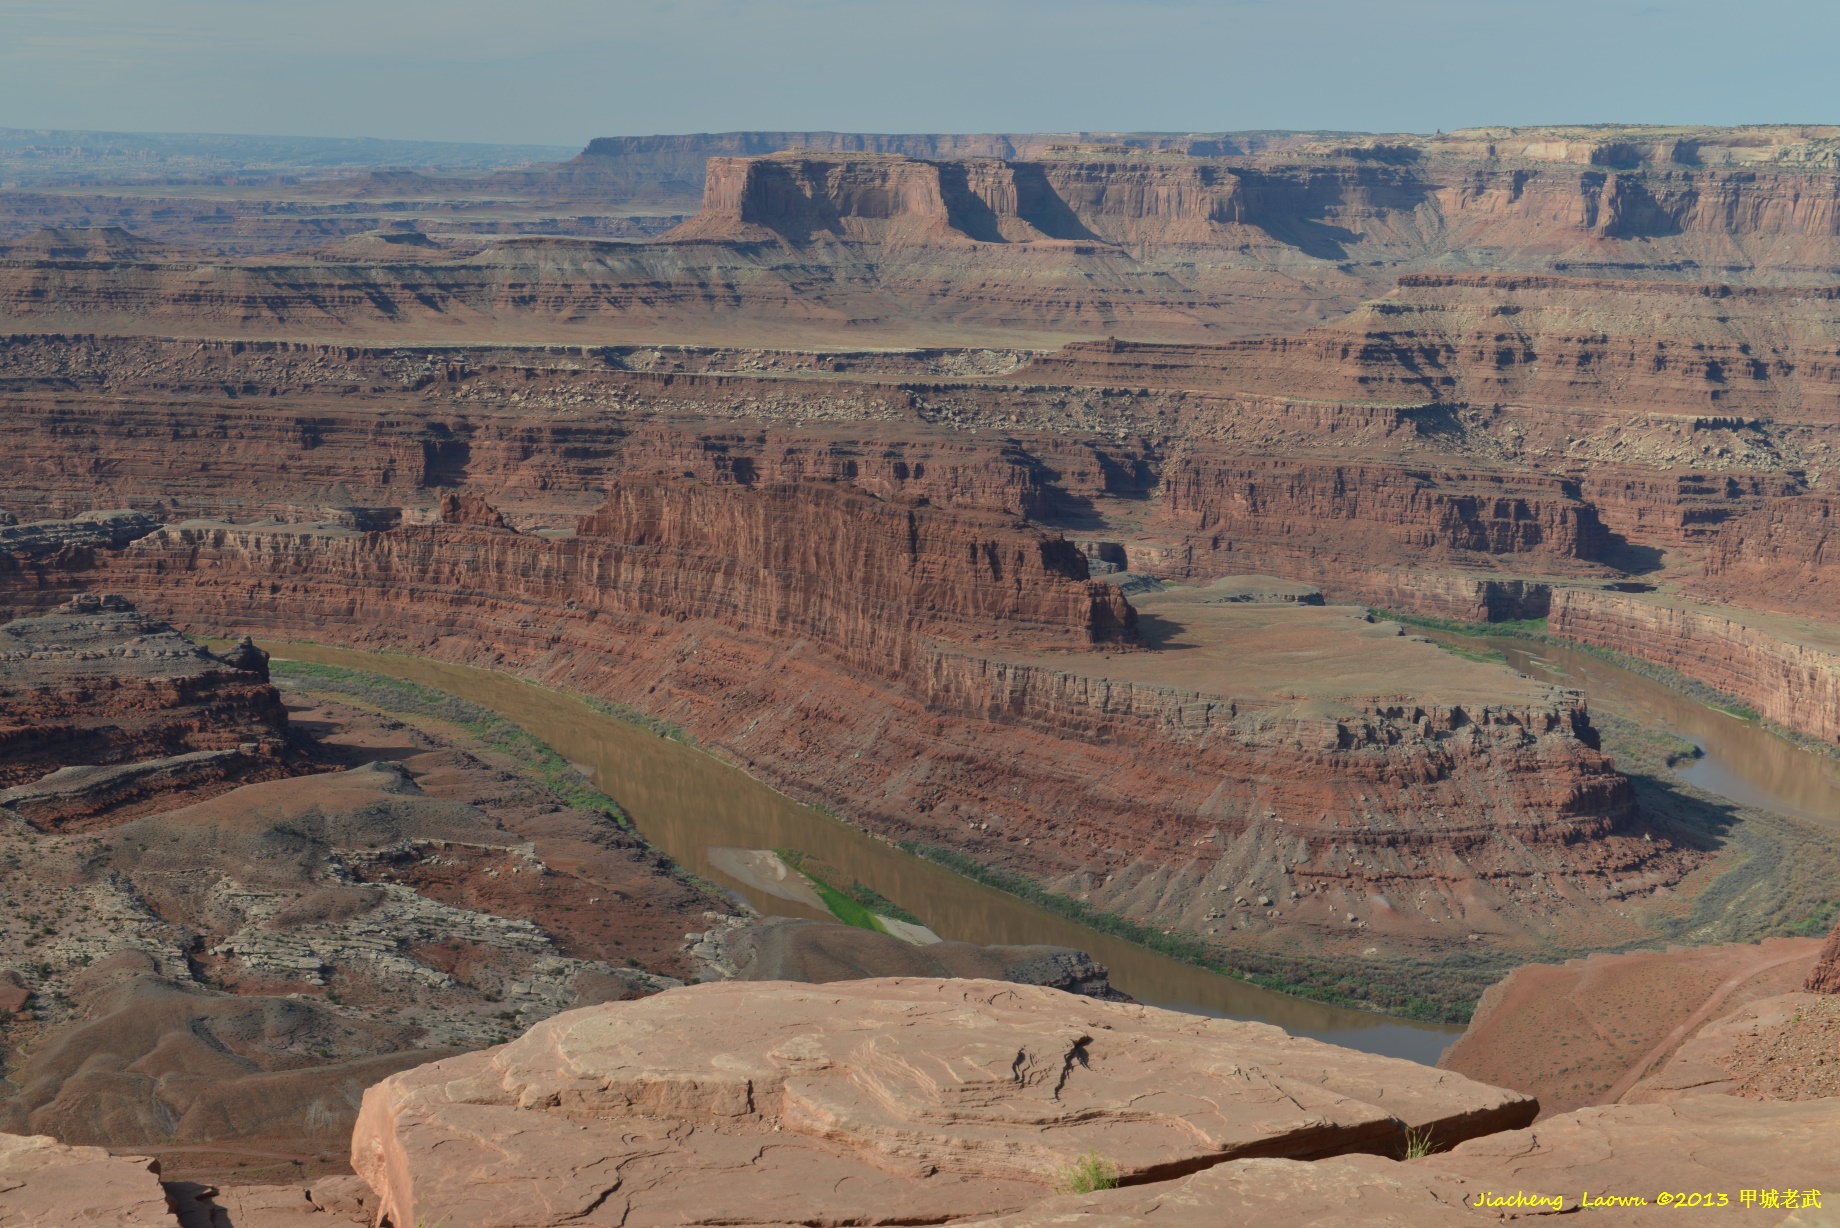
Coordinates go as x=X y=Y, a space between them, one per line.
x=1016 y=497
x=963 y=239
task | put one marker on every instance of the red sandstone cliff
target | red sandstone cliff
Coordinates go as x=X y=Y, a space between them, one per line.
x=853 y=650
x=1784 y=555
x=1786 y=675
x=827 y=562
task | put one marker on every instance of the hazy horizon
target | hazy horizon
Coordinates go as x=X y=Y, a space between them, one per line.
x=560 y=72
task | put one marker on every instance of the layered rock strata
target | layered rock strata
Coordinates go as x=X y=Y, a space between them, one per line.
x=1785 y=553
x=143 y=710
x=1157 y=238
x=891 y=1100
x=678 y=598
x=1786 y=670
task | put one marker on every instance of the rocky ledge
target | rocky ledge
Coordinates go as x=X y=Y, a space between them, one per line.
x=913 y=1101
x=881 y=1101
x=125 y=708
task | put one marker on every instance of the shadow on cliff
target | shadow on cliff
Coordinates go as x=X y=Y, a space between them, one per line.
x=1161 y=633
x=1629 y=558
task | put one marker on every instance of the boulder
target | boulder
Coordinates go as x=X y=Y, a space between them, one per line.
x=877 y=1101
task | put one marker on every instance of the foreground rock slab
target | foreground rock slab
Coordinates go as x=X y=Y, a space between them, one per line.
x=879 y=1101
x=1634 y=1156
x=44 y=1184
x=1708 y=1144
x=1353 y=1190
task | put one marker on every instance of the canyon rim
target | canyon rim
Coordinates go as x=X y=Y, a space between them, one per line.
x=815 y=677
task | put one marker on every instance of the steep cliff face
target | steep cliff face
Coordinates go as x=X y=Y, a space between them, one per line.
x=1776 y=224
x=818 y=561
x=1785 y=552
x=868 y=579
x=1784 y=219
x=1776 y=667
x=1270 y=509
x=888 y=660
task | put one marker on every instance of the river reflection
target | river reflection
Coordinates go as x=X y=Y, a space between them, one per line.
x=1743 y=761
x=685 y=802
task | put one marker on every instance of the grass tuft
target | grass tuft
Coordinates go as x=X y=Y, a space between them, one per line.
x=1419 y=1144
x=1086 y=1175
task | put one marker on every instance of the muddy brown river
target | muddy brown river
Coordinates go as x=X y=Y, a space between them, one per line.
x=686 y=802
x=1742 y=760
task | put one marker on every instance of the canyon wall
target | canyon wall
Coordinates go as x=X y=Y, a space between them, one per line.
x=1786 y=677
x=894 y=669
x=1041 y=239
x=1231 y=502
x=1784 y=549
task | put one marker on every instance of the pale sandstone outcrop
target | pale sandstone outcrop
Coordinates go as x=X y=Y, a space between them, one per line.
x=1646 y=1152
x=869 y=1101
x=44 y=1184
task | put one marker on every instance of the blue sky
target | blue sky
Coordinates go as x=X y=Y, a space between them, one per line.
x=561 y=71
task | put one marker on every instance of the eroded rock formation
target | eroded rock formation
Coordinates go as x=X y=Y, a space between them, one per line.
x=1824 y=977
x=887 y=1100
x=107 y=708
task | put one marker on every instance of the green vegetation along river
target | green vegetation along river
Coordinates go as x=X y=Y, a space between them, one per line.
x=687 y=802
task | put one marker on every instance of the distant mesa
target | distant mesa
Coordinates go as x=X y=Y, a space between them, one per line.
x=89 y=243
